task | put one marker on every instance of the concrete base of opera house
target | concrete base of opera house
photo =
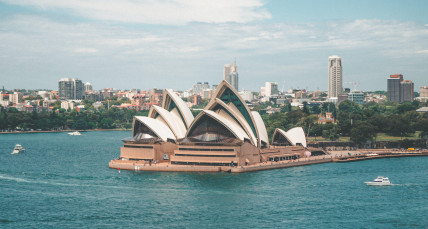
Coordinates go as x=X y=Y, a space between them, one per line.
x=334 y=156
x=167 y=167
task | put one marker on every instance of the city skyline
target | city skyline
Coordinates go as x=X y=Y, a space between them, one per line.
x=43 y=41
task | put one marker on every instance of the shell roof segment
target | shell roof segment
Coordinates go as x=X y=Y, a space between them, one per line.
x=295 y=136
x=171 y=101
x=158 y=127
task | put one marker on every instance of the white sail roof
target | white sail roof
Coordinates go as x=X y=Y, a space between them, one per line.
x=295 y=135
x=172 y=120
x=261 y=128
x=234 y=112
x=158 y=127
x=228 y=95
x=184 y=112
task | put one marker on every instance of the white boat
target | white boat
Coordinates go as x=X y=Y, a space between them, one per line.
x=379 y=181
x=18 y=148
x=75 y=133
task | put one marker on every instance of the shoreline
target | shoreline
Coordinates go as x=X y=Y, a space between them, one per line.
x=335 y=156
x=62 y=131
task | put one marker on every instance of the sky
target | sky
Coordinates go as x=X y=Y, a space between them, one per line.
x=176 y=43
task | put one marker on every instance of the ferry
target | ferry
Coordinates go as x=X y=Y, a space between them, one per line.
x=379 y=181
x=18 y=148
x=75 y=133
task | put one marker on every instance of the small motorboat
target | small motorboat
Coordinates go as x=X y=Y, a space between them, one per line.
x=379 y=181
x=18 y=148
x=75 y=133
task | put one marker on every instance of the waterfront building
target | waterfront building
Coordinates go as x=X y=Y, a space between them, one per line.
x=88 y=86
x=225 y=136
x=230 y=74
x=335 y=87
x=70 y=89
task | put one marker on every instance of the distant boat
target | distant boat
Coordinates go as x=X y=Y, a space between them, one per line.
x=18 y=148
x=75 y=133
x=379 y=181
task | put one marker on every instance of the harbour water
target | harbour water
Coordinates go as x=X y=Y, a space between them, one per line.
x=63 y=181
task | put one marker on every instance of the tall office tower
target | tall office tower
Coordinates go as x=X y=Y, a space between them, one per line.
x=70 y=89
x=230 y=74
x=406 y=91
x=88 y=86
x=393 y=87
x=271 y=89
x=334 y=76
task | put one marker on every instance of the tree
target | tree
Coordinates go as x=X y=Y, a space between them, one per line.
x=363 y=132
x=106 y=123
x=307 y=122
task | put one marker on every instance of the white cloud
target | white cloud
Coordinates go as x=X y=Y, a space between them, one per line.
x=91 y=50
x=175 y=12
x=86 y=50
x=422 y=51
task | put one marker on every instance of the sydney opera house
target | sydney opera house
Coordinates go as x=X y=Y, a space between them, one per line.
x=225 y=136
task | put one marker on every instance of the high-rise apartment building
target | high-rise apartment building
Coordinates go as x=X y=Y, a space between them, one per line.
x=406 y=91
x=230 y=74
x=399 y=90
x=334 y=76
x=393 y=87
x=70 y=89
x=88 y=86
x=271 y=89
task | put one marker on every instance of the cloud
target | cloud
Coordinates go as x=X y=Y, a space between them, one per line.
x=101 y=53
x=169 y=12
x=86 y=50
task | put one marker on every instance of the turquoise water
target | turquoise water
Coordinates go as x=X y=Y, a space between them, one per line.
x=64 y=181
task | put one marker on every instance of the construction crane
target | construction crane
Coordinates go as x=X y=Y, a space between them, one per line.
x=353 y=83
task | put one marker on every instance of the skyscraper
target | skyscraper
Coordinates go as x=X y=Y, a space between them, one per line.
x=70 y=89
x=230 y=74
x=406 y=90
x=88 y=86
x=334 y=76
x=393 y=87
x=399 y=90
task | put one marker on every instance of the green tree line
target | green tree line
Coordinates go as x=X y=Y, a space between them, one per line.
x=13 y=119
x=361 y=123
